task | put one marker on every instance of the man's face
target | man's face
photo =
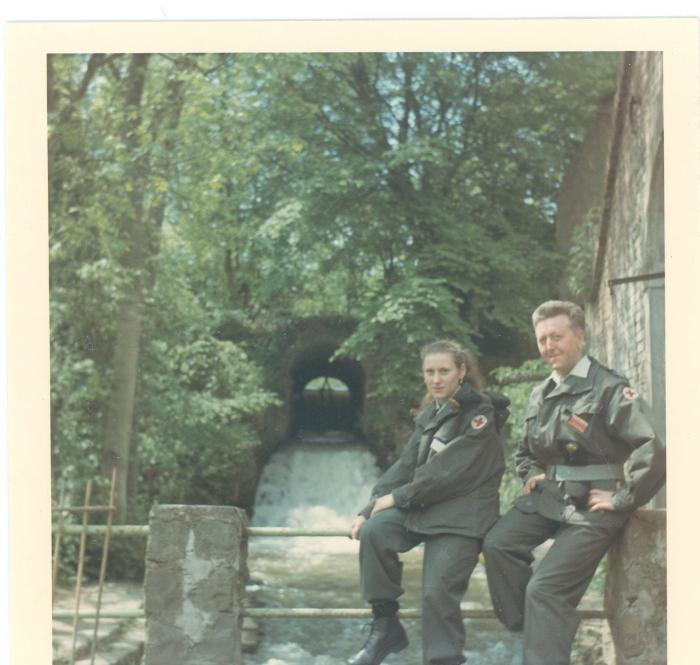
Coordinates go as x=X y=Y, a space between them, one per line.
x=559 y=343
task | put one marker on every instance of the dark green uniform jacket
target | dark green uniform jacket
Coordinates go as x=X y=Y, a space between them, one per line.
x=594 y=422
x=448 y=474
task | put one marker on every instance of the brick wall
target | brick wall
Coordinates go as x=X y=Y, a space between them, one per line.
x=626 y=324
x=624 y=319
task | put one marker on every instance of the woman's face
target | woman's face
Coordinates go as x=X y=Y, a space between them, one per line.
x=441 y=375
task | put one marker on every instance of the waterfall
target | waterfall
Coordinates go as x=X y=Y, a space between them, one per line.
x=318 y=482
x=321 y=481
x=317 y=486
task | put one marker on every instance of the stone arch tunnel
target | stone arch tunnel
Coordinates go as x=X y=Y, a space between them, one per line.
x=326 y=395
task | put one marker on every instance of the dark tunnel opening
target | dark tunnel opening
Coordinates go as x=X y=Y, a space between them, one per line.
x=326 y=396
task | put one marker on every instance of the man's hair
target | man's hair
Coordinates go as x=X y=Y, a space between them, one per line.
x=552 y=308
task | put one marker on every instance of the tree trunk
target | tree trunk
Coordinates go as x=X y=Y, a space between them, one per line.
x=141 y=233
x=120 y=412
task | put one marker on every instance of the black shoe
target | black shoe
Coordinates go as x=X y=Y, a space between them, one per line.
x=386 y=636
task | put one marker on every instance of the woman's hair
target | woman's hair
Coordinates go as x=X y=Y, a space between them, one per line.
x=461 y=358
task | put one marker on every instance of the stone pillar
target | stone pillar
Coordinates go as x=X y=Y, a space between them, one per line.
x=635 y=590
x=195 y=581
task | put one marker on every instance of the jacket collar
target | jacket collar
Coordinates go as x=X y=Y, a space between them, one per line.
x=580 y=369
x=574 y=383
x=464 y=396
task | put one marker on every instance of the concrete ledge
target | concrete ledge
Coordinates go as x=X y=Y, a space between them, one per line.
x=635 y=590
x=195 y=583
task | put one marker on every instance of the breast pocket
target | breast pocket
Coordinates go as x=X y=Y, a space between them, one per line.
x=579 y=419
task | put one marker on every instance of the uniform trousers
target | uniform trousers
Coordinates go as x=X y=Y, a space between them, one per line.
x=543 y=603
x=448 y=561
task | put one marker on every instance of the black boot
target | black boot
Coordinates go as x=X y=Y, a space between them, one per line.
x=386 y=636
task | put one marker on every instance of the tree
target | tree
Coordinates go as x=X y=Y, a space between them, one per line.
x=124 y=133
x=199 y=202
x=429 y=172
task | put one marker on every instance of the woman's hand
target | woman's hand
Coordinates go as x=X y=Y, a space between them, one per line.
x=533 y=482
x=383 y=502
x=356 y=526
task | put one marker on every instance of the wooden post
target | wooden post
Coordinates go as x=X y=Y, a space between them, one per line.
x=195 y=581
x=635 y=590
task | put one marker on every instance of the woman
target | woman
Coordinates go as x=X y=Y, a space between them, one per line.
x=442 y=491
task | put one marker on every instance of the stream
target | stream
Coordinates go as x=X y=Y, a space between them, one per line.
x=321 y=482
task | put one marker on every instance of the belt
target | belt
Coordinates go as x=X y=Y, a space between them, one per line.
x=585 y=472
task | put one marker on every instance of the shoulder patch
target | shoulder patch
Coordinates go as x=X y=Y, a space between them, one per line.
x=630 y=393
x=479 y=422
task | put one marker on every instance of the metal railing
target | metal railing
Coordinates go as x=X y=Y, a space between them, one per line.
x=141 y=530
x=312 y=613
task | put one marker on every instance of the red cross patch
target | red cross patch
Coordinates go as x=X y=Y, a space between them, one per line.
x=479 y=422
x=630 y=393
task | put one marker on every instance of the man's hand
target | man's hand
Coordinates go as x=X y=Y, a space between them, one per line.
x=533 y=482
x=356 y=526
x=600 y=500
x=383 y=502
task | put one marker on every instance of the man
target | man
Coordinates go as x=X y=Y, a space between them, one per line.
x=589 y=456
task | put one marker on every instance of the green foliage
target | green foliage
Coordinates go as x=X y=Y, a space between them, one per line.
x=199 y=394
x=125 y=561
x=584 y=242
x=419 y=167
x=78 y=392
x=601 y=572
x=411 y=192
x=516 y=383
x=202 y=397
x=412 y=312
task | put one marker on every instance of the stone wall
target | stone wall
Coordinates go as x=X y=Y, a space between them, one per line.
x=583 y=183
x=303 y=343
x=635 y=594
x=194 y=585
x=620 y=316
x=625 y=321
x=302 y=351
x=626 y=325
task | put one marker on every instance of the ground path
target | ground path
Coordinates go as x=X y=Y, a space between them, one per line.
x=119 y=641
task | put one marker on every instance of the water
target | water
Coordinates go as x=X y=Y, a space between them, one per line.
x=320 y=485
